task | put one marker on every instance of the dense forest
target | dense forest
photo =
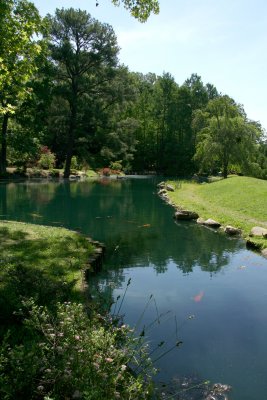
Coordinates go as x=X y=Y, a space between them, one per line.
x=65 y=98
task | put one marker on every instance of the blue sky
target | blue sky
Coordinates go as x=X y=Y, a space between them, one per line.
x=223 y=41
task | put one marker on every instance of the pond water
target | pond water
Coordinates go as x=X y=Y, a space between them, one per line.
x=188 y=283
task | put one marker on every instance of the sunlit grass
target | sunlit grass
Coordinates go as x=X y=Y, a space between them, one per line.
x=236 y=201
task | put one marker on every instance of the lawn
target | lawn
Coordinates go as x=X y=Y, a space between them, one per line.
x=39 y=262
x=237 y=201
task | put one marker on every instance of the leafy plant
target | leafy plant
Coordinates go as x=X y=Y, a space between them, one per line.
x=47 y=159
x=116 y=165
x=72 y=356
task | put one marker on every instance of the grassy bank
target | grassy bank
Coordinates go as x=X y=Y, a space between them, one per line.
x=50 y=348
x=56 y=253
x=39 y=262
x=236 y=201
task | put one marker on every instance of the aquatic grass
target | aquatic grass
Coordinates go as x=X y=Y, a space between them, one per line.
x=236 y=201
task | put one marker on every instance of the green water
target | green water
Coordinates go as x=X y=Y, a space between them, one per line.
x=209 y=291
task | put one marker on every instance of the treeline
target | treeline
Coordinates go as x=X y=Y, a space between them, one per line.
x=63 y=92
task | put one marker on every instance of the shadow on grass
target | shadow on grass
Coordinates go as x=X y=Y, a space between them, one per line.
x=44 y=269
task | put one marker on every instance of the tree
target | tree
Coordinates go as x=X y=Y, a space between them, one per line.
x=224 y=136
x=84 y=53
x=199 y=93
x=19 y=24
x=139 y=9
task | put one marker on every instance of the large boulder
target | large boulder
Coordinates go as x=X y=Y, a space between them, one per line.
x=258 y=231
x=185 y=215
x=162 y=191
x=210 y=222
x=170 y=188
x=232 y=231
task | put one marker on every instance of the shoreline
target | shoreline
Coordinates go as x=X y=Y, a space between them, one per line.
x=164 y=188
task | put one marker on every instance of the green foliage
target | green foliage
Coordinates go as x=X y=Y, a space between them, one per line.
x=20 y=24
x=74 y=163
x=116 y=165
x=72 y=356
x=224 y=136
x=79 y=102
x=23 y=146
x=47 y=159
x=139 y=9
x=84 y=54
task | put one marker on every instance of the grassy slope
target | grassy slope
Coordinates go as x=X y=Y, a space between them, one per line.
x=237 y=201
x=55 y=255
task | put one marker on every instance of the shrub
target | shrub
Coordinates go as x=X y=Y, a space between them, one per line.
x=116 y=165
x=54 y=173
x=47 y=159
x=74 y=163
x=73 y=356
x=106 y=171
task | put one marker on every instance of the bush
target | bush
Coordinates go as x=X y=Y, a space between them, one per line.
x=73 y=356
x=105 y=171
x=47 y=159
x=54 y=173
x=74 y=163
x=116 y=165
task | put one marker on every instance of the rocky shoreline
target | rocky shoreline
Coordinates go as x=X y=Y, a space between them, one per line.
x=191 y=388
x=187 y=215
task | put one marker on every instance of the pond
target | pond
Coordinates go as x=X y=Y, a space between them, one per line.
x=187 y=283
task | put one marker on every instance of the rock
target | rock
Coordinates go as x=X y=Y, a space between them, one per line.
x=264 y=253
x=74 y=177
x=230 y=230
x=185 y=215
x=200 y=221
x=252 y=245
x=170 y=188
x=162 y=191
x=258 y=231
x=210 y=222
x=161 y=185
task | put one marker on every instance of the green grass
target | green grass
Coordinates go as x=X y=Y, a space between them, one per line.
x=236 y=201
x=39 y=262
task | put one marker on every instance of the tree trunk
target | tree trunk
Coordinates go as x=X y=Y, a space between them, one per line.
x=225 y=163
x=72 y=129
x=224 y=172
x=3 y=163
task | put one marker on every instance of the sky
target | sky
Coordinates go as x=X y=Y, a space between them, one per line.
x=223 y=41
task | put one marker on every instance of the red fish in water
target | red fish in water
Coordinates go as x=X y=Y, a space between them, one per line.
x=199 y=296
